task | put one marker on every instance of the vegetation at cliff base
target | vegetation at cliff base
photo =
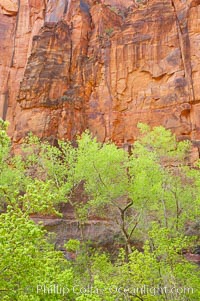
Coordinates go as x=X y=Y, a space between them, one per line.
x=150 y=195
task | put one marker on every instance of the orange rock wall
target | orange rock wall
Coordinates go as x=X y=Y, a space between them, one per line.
x=68 y=65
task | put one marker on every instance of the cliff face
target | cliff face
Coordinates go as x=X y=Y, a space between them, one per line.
x=68 y=65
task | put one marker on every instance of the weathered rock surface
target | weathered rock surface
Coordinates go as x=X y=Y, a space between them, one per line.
x=101 y=231
x=9 y=7
x=68 y=65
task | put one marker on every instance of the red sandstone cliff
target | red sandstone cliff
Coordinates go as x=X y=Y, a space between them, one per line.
x=68 y=65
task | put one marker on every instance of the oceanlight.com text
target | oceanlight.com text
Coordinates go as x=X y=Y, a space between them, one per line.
x=92 y=290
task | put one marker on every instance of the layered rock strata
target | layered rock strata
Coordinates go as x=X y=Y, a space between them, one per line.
x=68 y=65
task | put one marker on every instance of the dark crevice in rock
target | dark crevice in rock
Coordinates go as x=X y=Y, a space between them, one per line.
x=184 y=41
x=16 y=27
x=5 y=105
x=84 y=7
x=66 y=7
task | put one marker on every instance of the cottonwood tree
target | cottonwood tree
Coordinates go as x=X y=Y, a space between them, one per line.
x=152 y=184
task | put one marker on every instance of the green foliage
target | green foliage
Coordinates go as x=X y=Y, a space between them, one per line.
x=27 y=260
x=159 y=273
x=4 y=142
x=162 y=265
x=150 y=195
x=40 y=197
x=161 y=186
x=114 y=9
x=162 y=142
x=103 y=170
x=153 y=184
x=40 y=178
x=109 y=31
x=72 y=245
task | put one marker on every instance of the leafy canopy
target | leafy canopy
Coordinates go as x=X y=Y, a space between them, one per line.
x=150 y=195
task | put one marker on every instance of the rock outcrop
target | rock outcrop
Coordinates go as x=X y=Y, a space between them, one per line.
x=106 y=65
x=9 y=7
